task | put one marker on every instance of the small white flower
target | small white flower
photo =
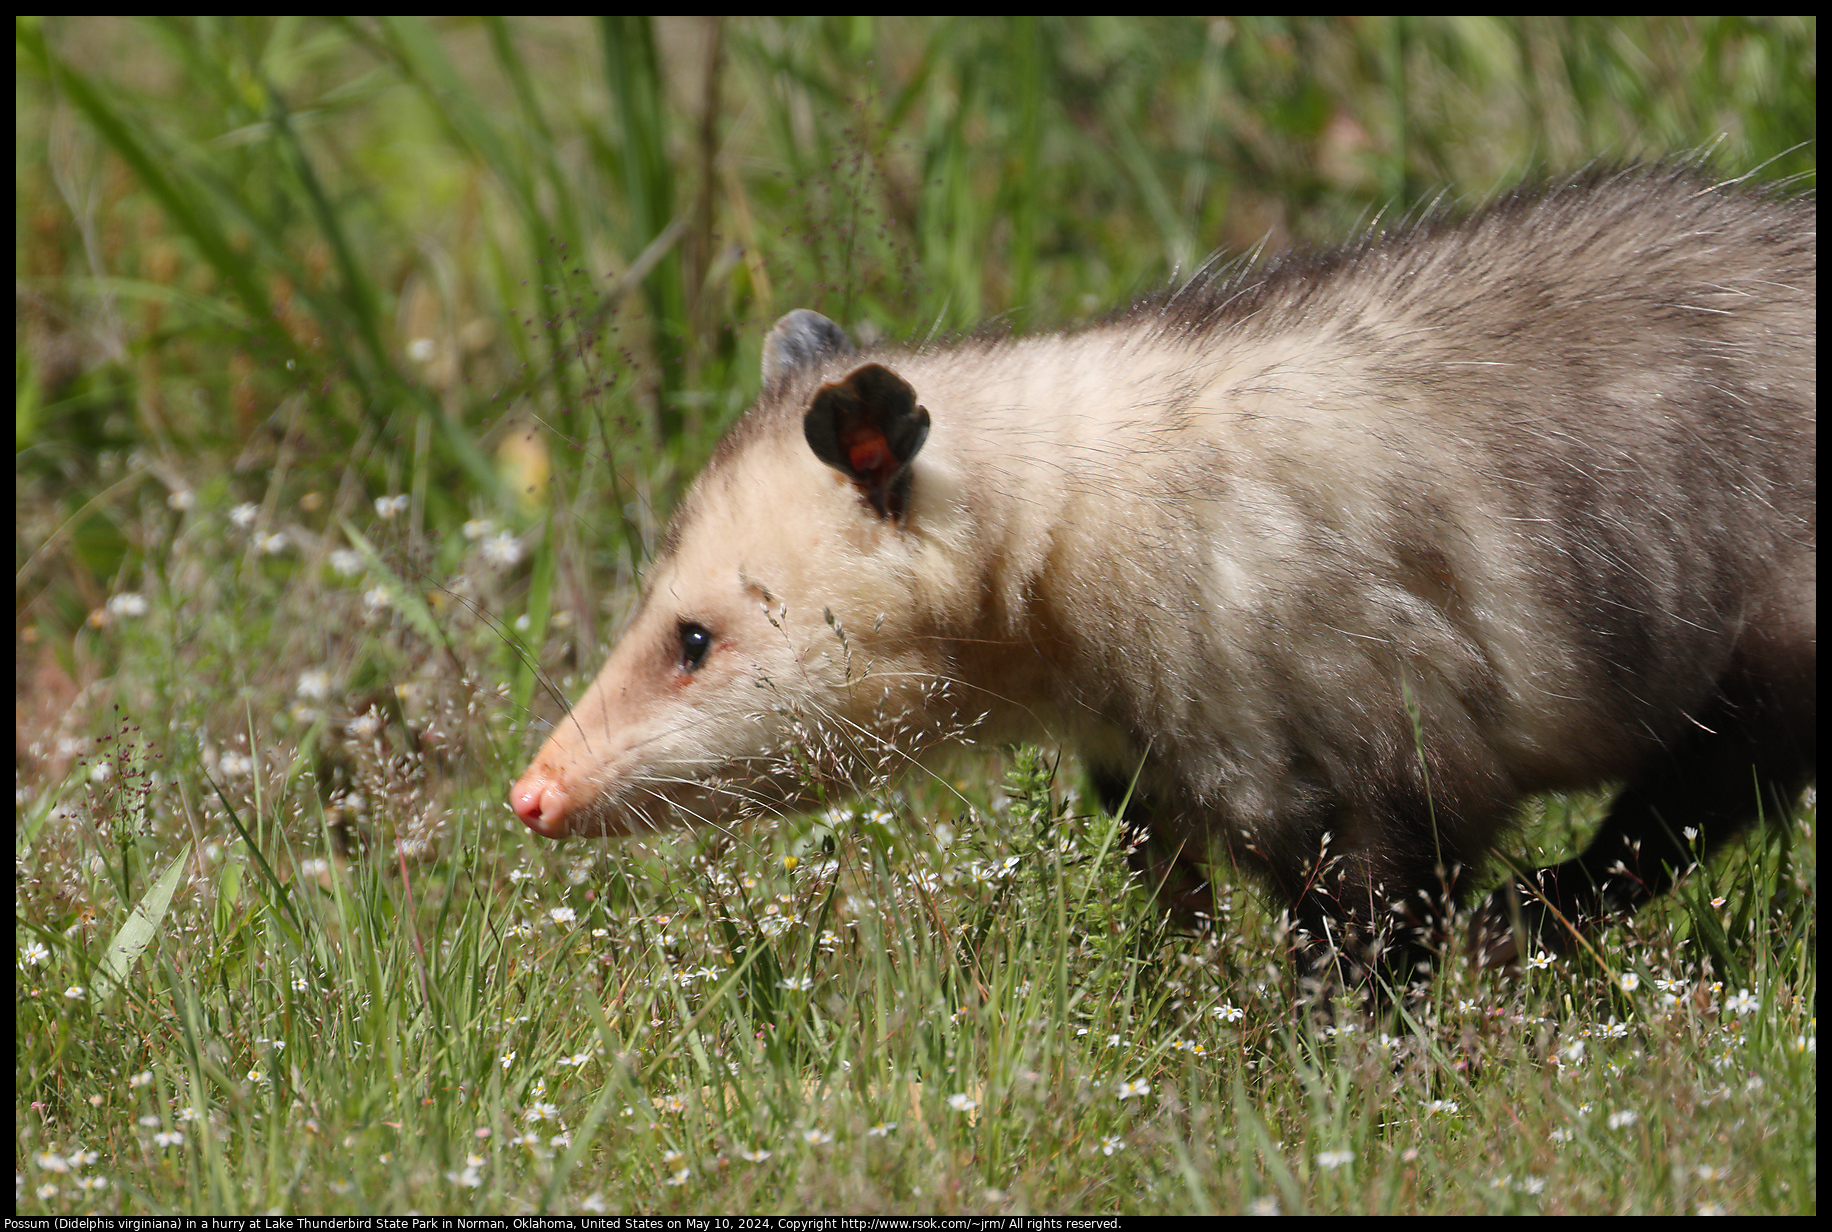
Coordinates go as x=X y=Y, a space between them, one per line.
x=502 y=551
x=1332 y=1160
x=387 y=506
x=962 y=1102
x=243 y=515
x=128 y=603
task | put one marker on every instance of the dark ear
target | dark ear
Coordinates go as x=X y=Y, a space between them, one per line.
x=868 y=427
x=801 y=339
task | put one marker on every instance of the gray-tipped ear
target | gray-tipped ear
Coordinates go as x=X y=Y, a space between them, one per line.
x=801 y=339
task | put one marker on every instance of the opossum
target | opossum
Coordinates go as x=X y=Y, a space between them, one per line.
x=1322 y=567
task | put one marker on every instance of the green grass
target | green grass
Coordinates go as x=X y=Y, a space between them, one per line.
x=357 y=365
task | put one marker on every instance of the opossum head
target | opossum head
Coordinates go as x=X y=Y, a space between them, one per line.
x=780 y=646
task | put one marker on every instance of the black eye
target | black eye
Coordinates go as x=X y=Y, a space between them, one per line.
x=696 y=640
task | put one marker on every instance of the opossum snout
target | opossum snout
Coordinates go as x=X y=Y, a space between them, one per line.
x=541 y=801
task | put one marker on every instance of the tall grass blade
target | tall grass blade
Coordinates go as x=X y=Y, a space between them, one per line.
x=142 y=924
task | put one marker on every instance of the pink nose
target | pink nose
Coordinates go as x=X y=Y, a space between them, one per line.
x=541 y=804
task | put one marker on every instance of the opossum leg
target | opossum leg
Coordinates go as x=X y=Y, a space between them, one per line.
x=1370 y=927
x=1743 y=761
x=1179 y=882
x=1176 y=874
x=1366 y=926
